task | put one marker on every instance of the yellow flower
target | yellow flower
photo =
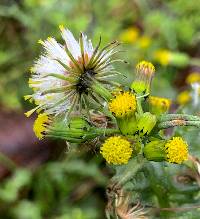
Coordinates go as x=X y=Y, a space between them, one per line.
x=39 y=126
x=183 y=98
x=146 y=67
x=130 y=35
x=123 y=104
x=144 y=41
x=177 y=150
x=162 y=56
x=159 y=104
x=144 y=74
x=116 y=150
x=193 y=78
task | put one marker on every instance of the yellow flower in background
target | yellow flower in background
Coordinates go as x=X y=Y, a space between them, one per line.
x=116 y=150
x=39 y=126
x=123 y=104
x=183 y=97
x=177 y=150
x=129 y=35
x=159 y=105
x=144 y=42
x=162 y=56
x=193 y=77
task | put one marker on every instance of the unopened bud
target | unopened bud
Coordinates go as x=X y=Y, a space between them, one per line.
x=146 y=123
x=144 y=74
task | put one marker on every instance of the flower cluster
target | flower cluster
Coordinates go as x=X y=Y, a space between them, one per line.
x=70 y=83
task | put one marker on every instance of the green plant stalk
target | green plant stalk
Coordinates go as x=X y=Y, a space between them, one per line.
x=186 y=117
x=129 y=170
x=101 y=90
x=174 y=123
x=139 y=107
x=77 y=136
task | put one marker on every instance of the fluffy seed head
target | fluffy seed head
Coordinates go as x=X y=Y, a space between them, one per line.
x=116 y=150
x=64 y=76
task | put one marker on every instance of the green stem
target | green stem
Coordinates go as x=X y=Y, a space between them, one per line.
x=139 y=107
x=125 y=172
x=174 y=123
x=80 y=135
x=106 y=131
x=186 y=117
x=101 y=91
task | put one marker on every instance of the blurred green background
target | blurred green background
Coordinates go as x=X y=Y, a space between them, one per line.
x=45 y=179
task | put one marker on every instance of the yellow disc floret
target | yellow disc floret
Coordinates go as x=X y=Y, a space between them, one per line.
x=39 y=126
x=116 y=150
x=160 y=102
x=193 y=78
x=124 y=104
x=177 y=150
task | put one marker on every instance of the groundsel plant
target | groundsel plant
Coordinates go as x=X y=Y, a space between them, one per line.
x=130 y=132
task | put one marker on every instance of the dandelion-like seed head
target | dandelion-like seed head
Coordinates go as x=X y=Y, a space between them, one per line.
x=144 y=75
x=116 y=150
x=64 y=76
x=123 y=104
x=176 y=150
x=40 y=125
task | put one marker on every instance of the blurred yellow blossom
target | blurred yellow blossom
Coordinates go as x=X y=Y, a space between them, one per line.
x=162 y=56
x=193 y=78
x=144 y=42
x=129 y=35
x=183 y=97
x=159 y=105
